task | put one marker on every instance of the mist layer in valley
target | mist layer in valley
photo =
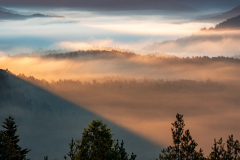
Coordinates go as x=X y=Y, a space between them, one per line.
x=140 y=94
x=97 y=64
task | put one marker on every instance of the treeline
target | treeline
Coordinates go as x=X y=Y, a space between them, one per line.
x=96 y=143
x=114 y=54
x=129 y=84
x=91 y=54
x=95 y=54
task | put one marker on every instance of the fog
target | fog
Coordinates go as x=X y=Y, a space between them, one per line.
x=147 y=107
x=75 y=65
x=210 y=43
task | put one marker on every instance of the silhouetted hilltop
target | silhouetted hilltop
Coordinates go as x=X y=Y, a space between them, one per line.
x=7 y=10
x=226 y=15
x=11 y=16
x=233 y=23
x=6 y=14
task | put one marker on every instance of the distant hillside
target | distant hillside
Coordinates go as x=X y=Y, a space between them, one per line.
x=223 y=39
x=233 y=23
x=10 y=16
x=7 y=10
x=6 y=14
x=223 y=16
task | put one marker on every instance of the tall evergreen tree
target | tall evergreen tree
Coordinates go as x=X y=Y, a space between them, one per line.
x=10 y=141
x=231 y=153
x=71 y=153
x=97 y=144
x=120 y=152
x=183 y=144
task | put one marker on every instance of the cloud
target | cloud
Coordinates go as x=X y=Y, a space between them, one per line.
x=211 y=43
x=105 y=44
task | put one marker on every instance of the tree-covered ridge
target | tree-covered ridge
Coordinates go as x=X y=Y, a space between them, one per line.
x=114 y=54
x=53 y=115
x=233 y=23
x=41 y=116
x=112 y=83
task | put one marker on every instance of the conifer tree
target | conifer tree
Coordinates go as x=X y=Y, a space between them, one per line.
x=219 y=152
x=9 y=141
x=183 y=144
x=121 y=152
x=71 y=153
x=45 y=157
x=97 y=144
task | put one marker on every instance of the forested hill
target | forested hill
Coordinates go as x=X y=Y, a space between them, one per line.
x=97 y=54
x=47 y=123
x=91 y=54
x=227 y=15
x=233 y=23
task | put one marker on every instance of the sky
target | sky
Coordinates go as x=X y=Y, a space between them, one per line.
x=82 y=29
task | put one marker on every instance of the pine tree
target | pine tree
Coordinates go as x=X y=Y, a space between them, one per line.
x=121 y=153
x=97 y=144
x=10 y=141
x=219 y=152
x=45 y=157
x=71 y=153
x=183 y=144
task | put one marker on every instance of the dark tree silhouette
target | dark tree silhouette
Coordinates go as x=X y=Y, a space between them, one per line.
x=45 y=157
x=121 y=153
x=9 y=141
x=71 y=153
x=7 y=150
x=183 y=144
x=231 y=153
x=97 y=144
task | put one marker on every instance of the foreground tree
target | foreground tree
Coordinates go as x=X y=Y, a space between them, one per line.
x=120 y=152
x=231 y=153
x=71 y=153
x=184 y=147
x=9 y=148
x=97 y=144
